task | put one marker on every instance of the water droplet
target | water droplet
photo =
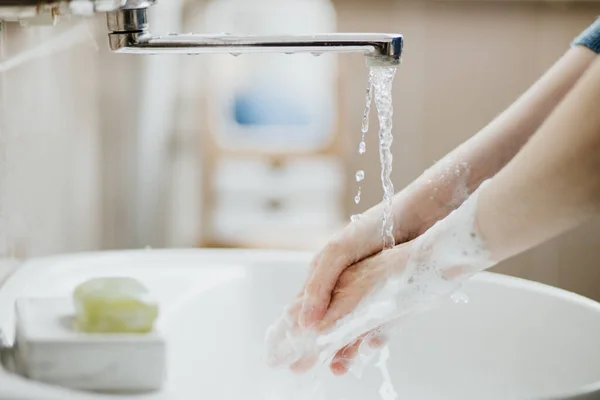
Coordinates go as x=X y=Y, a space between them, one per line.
x=460 y=297
x=360 y=176
x=316 y=53
x=236 y=54
x=357 y=197
x=365 y=123
x=362 y=147
x=354 y=218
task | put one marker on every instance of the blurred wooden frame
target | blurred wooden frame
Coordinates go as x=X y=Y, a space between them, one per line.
x=211 y=152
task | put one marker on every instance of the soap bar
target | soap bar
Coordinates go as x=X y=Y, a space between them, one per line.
x=114 y=305
x=48 y=349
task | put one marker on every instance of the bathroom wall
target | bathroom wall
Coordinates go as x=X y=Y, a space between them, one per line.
x=49 y=140
x=465 y=61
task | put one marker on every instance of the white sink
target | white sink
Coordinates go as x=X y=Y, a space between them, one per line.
x=514 y=340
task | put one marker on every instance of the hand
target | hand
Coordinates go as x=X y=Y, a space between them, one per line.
x=291 y=345
x=419 y=206
x=383 y=288
x=361 y=279
x=358 y=241
x=416 y=209
x=352 y=286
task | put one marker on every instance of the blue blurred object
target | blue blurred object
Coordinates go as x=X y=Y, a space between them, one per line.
x=267 y=108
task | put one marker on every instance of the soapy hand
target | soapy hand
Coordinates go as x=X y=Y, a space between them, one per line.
x=358 y=241
x=352 y=286
x=415 y=209
x=330 y=281
x=346 y=251
x=368 y=295
x=297 y=346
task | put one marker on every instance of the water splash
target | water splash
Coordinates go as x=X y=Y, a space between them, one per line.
x=460 y=298
x=386 y=391
x=383 y=79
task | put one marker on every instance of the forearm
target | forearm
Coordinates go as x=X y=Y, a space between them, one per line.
x=446 y=185
x=553 y=184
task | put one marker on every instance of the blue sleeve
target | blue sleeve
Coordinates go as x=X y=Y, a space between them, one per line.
x=590 y=38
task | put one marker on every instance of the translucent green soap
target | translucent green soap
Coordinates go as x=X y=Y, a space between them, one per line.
x=114 y=305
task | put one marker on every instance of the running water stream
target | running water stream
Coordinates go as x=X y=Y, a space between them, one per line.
x=383 y=79
x=380 y=85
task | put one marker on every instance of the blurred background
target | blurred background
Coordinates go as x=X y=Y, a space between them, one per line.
x=105 y=151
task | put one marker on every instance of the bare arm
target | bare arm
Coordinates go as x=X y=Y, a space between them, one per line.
x=440 y=189
x=486 y=153
x=553 y=184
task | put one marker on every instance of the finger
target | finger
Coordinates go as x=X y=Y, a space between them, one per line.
x=377 y=341
x=343 y=359
x=379 y=337
x=352 y=286
x=334 y=259
x=304 y=364
x=357 y=282
x=280 y=350
x=291 y=312
x=342 y=304
x=358 y=241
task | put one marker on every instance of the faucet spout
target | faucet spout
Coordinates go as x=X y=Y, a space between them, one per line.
x=130 y=33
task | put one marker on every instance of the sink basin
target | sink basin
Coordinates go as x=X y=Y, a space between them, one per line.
x=515 y=339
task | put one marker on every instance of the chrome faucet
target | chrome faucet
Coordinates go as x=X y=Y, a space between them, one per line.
x=129 y=32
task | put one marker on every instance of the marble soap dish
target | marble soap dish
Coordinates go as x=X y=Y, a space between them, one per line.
x=49 y=349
